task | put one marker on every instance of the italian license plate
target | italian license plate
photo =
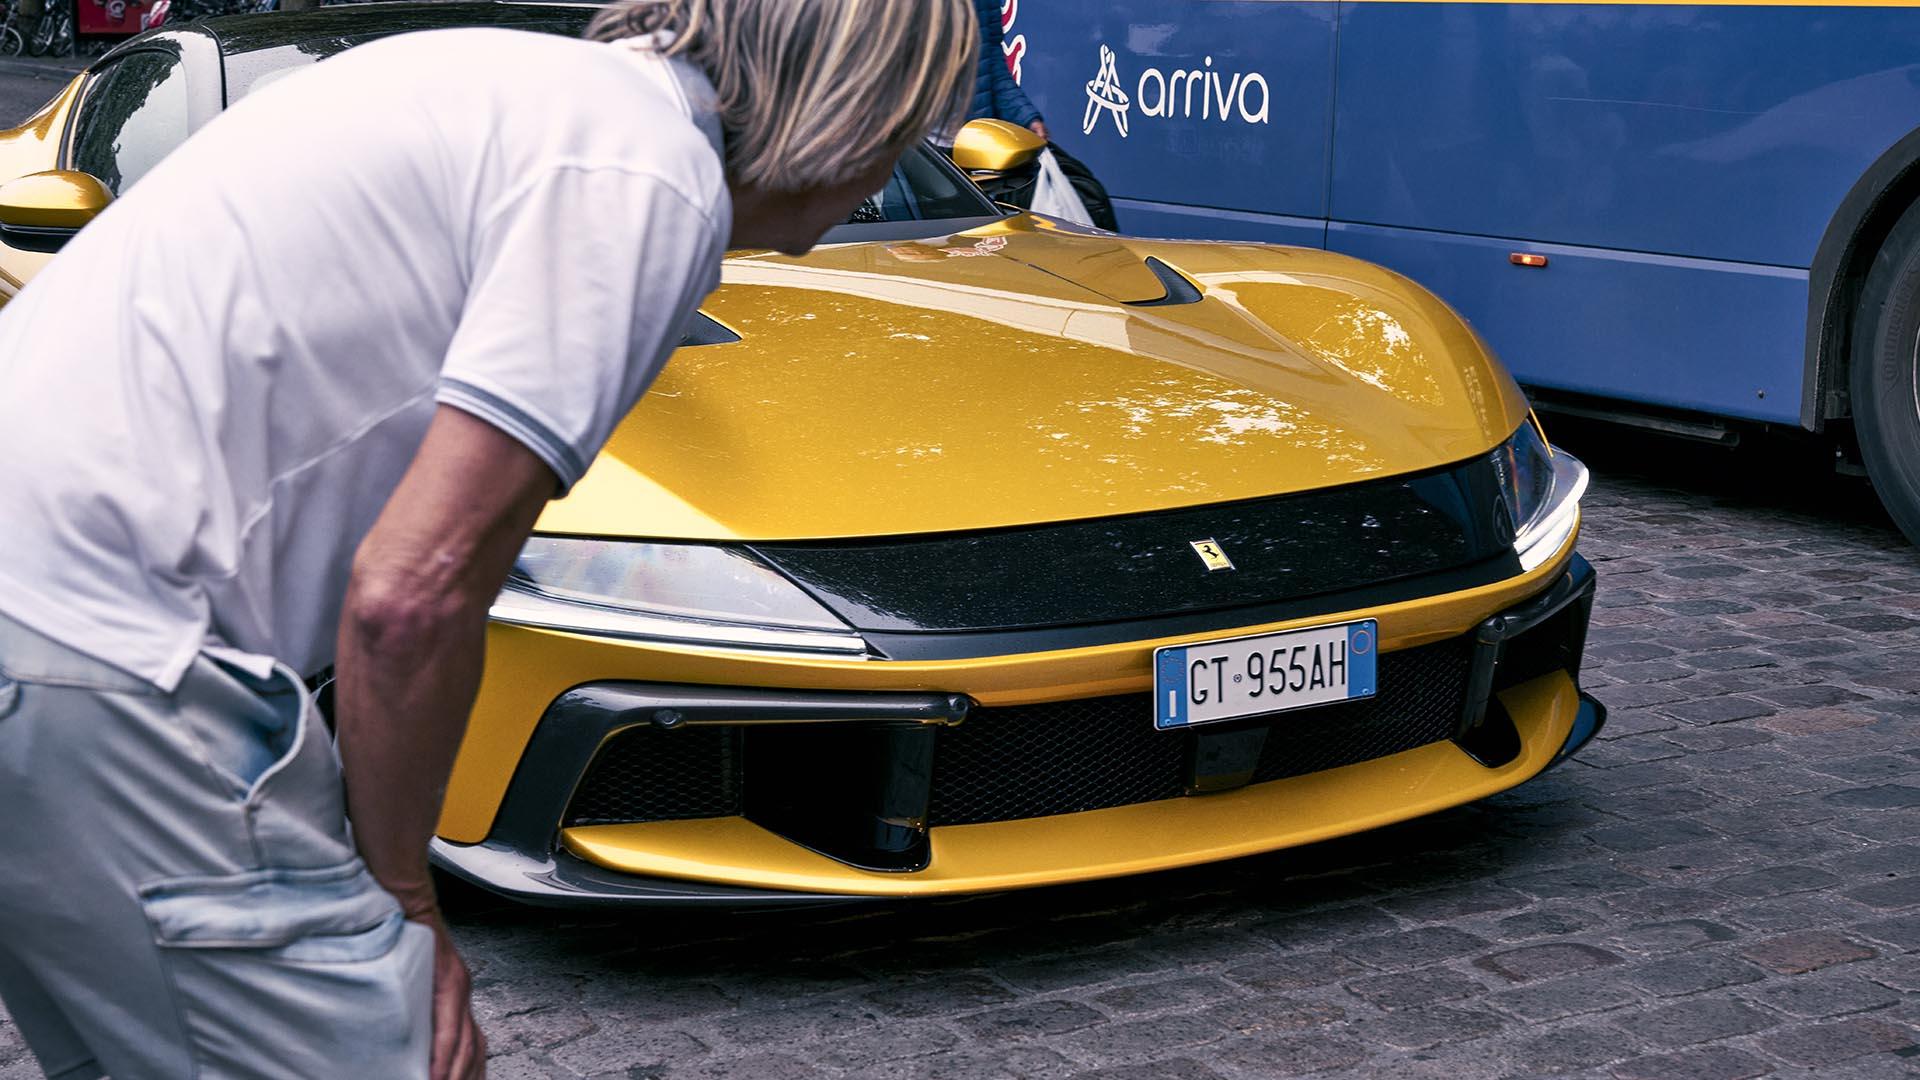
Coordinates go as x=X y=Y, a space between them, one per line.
x=1249 y=676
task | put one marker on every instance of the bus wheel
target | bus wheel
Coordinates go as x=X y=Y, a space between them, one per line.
x=1886 y=373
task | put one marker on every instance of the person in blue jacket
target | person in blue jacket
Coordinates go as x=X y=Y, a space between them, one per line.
x=995 y=94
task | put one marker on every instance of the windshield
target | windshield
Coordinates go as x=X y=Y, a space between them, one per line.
x=927 y=196
x=924 y=188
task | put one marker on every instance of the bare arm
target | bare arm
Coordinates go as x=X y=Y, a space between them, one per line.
x=412 y=641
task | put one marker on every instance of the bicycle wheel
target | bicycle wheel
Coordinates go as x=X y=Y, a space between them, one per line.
x=41 y=36
x=11 y=43
x=63 y=35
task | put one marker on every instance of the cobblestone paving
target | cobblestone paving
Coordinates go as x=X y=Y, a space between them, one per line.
x=1727 y=885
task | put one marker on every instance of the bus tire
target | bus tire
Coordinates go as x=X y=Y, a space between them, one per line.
x=1884 y=381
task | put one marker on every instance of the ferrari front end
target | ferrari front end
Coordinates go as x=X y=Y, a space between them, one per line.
x=987 y=554
x=909 y=716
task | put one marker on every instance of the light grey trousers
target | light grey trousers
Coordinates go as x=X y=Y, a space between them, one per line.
x=179 y=894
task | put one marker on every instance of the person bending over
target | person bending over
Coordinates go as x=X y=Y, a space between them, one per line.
x=296 y=400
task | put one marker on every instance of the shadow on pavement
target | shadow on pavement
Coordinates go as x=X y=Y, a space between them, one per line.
x=1772 y=473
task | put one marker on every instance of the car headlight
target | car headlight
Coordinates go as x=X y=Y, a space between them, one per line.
x=683 y=593
x=1542 y=488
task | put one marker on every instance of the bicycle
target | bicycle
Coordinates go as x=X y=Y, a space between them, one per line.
x=12 y=42
x=53 y=35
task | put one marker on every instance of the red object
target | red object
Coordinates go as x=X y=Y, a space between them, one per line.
x=109 y=17
x=1016 y=51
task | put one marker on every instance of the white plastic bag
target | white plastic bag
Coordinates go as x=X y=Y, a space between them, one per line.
x=1053 y=194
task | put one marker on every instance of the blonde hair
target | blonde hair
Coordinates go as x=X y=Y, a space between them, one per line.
x=815 y=92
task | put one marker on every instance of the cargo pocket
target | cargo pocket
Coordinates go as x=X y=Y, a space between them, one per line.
x=247 y=728
x=295 y=973
x=259 y=739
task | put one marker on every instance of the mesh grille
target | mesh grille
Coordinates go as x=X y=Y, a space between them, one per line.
x=1065 y=757
x=647 y=775
x=1421 y=694
x=1057 y=758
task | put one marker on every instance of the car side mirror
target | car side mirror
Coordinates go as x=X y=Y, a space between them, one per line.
x=991 y=147
x=42 y=211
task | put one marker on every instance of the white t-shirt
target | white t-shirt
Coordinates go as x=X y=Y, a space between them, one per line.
x=207 y=398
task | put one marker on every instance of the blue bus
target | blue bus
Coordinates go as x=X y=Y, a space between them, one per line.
x=1690 y=215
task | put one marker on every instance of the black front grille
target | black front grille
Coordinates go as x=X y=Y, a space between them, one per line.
x=1395 y=533
x=1059 y=758
x=645 y=774
x=1422 y=692
x=1065 y=757
x=1062 y=757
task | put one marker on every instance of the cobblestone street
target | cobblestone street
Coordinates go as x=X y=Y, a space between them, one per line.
x=1727 y=885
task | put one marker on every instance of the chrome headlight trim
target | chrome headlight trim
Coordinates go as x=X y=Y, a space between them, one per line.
x=1541 y=487
x=682 y=594
x=519 y=606
x=1540 y=538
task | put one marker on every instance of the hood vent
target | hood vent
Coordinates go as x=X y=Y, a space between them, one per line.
x=1179 y=289
x=703 y=330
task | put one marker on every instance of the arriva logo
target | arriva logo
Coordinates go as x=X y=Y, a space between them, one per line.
x=1161 y=94
x=1105 y=96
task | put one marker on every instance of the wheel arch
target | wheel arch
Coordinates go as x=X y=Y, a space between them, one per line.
x=1847 y=249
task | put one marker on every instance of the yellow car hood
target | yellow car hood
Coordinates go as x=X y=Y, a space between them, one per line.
x=1011 y=375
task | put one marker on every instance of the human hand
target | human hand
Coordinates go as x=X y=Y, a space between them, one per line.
x=1040 y=128
x=459 y=1047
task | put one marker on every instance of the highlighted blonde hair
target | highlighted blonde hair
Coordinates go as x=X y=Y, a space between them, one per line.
x=815 y=92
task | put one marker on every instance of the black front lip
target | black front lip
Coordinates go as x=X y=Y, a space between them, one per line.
x=562 y=880
x=521 y=857
x=1587 y=724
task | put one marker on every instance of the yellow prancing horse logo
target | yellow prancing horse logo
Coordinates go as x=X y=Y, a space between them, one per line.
x=1211 y=554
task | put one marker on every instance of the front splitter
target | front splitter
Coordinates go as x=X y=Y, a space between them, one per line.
x=564 y=881
x=731 y=861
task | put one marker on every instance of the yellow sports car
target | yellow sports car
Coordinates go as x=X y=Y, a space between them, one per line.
x=972 y=551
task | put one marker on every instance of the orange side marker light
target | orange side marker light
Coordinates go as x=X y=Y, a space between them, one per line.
x=1527 y=258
